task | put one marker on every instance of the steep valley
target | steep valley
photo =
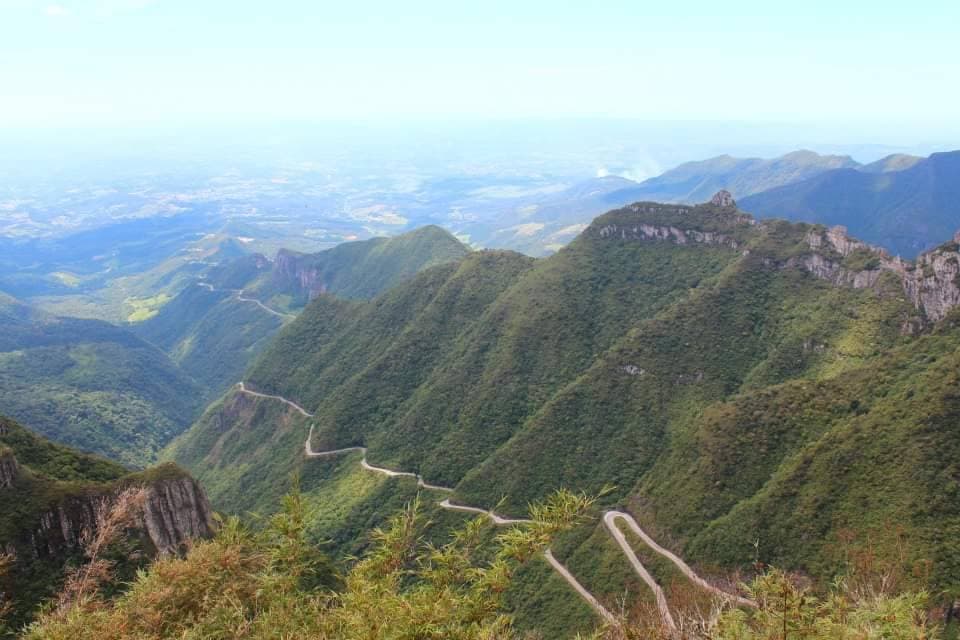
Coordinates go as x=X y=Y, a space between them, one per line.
x=216 y=326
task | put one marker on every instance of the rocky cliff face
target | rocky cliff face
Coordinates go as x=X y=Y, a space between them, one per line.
x=932 y=283
x=638 y=223
x=291 y=267
x=723 y=198
x=176 y=511
x=9 y=470
x=674 y=234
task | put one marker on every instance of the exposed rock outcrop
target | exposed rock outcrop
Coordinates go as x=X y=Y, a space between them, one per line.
x=654 y=232
x=932 y=283
x=723 y=198
x=834 y=272
x=9 y=469
x=61 y=527
x=176 y=512
x=837 y=240
x=290 y=266
x=652 y=221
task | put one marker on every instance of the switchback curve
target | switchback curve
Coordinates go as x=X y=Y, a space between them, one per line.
x=609 y=520
x=238 y=294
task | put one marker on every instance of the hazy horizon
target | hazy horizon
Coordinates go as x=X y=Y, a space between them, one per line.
x=155 y=64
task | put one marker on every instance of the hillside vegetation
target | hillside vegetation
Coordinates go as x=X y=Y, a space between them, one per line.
x=214 y=328
x=49 y=499
x=275 y=584
x=91 y=384
x=757 y=391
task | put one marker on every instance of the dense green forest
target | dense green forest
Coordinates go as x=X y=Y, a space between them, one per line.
x=91 y=384
x=746 y=406
x=213 y=332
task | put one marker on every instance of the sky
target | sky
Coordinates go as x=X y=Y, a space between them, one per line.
x=889 y=67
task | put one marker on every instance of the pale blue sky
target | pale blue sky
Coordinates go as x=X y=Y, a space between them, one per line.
x=140 y=62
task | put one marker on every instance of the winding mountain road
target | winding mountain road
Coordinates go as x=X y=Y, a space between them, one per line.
x=610 y=519
x=363 y=462
x=294 y=405
x=601 y=610
x=238 y=294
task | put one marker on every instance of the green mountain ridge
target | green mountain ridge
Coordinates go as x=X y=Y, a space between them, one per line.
x=650 y=353
x=213 y=332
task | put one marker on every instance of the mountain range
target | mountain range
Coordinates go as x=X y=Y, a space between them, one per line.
x=213 y=328
x=698 y=181
x=754 y=389
x=904 y=203
x=906 y=209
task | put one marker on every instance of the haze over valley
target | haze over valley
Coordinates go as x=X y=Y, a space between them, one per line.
x=512 y=321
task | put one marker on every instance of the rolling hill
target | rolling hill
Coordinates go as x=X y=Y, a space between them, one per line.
x=907 y=211
x=91 y=384
x=736 y=380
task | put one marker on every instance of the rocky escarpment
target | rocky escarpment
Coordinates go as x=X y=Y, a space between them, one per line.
x=679 y=224
x=653 y=232
x=176 y=512
x=723 y=198
x=292 y=267
x=932 y=283
x=50 y=499
x=9 y=469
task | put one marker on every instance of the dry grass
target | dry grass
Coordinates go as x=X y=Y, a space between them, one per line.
x=114 y=516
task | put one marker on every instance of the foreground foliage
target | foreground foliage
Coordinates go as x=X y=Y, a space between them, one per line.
x=275 y=584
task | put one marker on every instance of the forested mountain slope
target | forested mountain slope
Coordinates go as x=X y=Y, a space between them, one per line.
x=91 y=384
x=737 y=381
x=214 y=328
